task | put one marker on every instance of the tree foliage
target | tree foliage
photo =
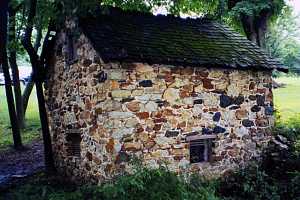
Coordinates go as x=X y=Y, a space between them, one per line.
x=283 y=37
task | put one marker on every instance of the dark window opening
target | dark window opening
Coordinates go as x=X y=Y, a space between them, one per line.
x=200 y=150
x=73 y=144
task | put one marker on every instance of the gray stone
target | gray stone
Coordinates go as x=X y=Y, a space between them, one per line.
x=269 y=110
x=256 y=108
x=260 y=100
x=122 y=132
x=151 y=106
x=172 y=133
x=219 y=129
x=247 y=123
x=225 y=101
x=198 y=101
x=217 y=116
x=145 y=83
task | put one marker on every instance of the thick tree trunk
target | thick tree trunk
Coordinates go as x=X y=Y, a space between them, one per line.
x=4 y=63
x=14 y=68
x=37 y=76
x=261 y=26
x=249 y=28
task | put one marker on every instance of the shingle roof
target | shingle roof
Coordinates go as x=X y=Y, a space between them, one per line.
x=138 y=37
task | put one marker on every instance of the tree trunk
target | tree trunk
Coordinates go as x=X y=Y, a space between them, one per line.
x=14 y=68
x=4 y=63
x=27 y=92
x=30 y=84
x=249 y=28
x=261 y=26
x=37 y=76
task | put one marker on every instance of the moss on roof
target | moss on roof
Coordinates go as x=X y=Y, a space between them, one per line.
x=137 y=37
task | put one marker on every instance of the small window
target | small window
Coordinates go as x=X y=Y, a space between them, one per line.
x=200 y=148
x=73 y=144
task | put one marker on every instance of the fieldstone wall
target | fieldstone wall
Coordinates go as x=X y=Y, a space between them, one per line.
x=126 y=110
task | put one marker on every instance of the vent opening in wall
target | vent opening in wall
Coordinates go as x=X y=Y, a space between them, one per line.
x=201 y=148
x=73 y=144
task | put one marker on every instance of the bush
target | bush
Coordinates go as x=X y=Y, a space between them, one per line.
x=150 y=184
x=249 y=183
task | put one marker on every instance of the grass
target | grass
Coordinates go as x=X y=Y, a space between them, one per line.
x=287 y=98
x=31 y=131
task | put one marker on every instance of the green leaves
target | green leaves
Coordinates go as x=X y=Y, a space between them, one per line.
x=282 y=38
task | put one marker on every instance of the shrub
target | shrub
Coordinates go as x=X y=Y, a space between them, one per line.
x=249 y=183
x=150 y=184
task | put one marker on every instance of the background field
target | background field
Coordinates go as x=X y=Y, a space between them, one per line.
x=32 y=129
x=287 y=98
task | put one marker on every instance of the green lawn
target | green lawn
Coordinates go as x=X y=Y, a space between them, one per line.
x=32 y=121
x=287 y=98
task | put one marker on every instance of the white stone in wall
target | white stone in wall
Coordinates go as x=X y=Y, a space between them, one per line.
x=211 y=99
x=69 y=118
x=143 y=98
x=233 y=90
x=151 y=106
x=120 y=115
x=241 y=131
x=121 y=132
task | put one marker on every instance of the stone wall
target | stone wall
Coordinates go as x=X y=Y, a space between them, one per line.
x=126 y=110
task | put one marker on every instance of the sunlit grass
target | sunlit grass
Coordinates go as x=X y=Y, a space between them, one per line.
x=32 y=130
x=287 y=98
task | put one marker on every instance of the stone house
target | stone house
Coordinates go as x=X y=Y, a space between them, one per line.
x=189 y=93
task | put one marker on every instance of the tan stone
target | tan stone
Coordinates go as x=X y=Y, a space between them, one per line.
x=120 y=93
x=199 y=88
x=178 y=83
x=241 y=114
x=137 y=92
x=133 y=106
x=172 y=95
x=216 y=74
x=160 y=154
x=132 y=146
x=132 y=122
x=143 y=68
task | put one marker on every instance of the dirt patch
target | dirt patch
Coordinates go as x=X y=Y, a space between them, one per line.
x=16 y=165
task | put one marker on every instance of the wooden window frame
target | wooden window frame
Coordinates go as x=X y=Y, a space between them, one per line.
x=201 y=140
